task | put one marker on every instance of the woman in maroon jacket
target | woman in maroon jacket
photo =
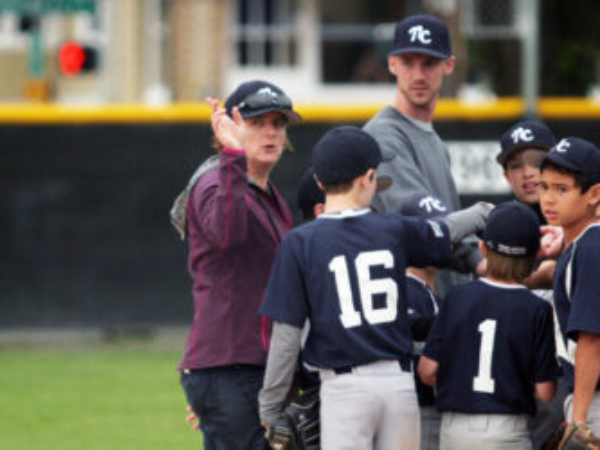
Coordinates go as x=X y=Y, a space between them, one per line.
x=234 y=221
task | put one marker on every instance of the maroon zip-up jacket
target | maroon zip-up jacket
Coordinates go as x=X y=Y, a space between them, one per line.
x=232 y=244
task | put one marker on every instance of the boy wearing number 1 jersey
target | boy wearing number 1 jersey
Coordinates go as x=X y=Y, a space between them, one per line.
x=344 y=272
x=492 y=347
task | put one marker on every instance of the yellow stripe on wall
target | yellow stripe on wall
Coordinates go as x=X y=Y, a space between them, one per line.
x=448 y=109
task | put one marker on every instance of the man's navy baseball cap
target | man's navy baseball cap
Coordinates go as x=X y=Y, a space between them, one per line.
x=526 y=135
x=255 y=98
x=512 y=229
x=572 y=153
x=423 y=205
x=309 y=193
x=345 y=153
x=424 y=34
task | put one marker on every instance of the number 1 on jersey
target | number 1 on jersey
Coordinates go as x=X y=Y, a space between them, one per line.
x=484 y=382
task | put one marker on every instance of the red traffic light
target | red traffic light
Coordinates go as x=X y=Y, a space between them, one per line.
x=71 y=58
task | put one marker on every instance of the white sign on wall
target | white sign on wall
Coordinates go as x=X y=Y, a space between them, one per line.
x=475 y=169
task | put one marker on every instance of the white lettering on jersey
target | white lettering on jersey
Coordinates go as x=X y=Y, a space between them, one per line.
x=420 y=33
x=484 y=382
x=437 y=229
x=522 y=134
x=430 y=204
x=368 y=288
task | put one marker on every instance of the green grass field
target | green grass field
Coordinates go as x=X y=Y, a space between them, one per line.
x=111 y=397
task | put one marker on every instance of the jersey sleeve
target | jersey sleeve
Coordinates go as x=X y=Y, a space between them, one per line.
x=546 y=362
x=286 y=299
x=427 y=242
x=585 y=290
x=435 y=339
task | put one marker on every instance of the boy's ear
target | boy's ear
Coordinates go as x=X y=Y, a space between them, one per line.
x=593 y=195
x=482 y=248
x=364 y=179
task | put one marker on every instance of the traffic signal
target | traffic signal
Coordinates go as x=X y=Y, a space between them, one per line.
x=74 y=58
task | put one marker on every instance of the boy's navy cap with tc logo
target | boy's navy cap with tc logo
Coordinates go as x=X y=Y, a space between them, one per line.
x=422 y=34
x=572 y=153
x=526 y=135
x=345 y=153
x=423 y=205
x=512 y=229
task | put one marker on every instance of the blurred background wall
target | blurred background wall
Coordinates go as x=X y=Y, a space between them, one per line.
x=101 y=122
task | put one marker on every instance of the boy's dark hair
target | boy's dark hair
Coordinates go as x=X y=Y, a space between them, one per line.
x=581 y=179
x=337 y=188
x=509 y=268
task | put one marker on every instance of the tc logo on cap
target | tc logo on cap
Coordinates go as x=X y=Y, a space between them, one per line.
x=522 y=134
x=420 y=33
x=430 y=204
x=562 y=146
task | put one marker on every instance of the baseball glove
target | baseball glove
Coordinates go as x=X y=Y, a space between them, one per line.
x=298 y=428
x=579 y=437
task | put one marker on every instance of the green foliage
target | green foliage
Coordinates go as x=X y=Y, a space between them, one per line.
x=109 y=398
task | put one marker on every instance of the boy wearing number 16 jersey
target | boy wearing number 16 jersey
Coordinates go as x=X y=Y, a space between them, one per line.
x=492 y=348
x=344 y=273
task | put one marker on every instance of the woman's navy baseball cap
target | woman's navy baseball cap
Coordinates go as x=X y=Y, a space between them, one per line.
x=424 y=34
x=572 y=153
x=527 y=135
x=257 y=97
x=512 y=229
x=345 y=153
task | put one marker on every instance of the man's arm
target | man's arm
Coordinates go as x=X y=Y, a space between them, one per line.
x=281 y=365
x=587 y=370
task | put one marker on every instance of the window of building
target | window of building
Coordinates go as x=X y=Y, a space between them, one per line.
x=355 y=40
x=266 y=33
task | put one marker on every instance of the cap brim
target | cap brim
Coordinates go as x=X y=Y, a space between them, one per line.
x=421 y=50
x=506 y=155
x=383 y=183
x=536 y=158
x=292 y=116
x=533 y=157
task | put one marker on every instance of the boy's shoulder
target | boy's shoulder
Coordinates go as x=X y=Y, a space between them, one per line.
x=590 y=237
x=585 y=247
x=486 y=289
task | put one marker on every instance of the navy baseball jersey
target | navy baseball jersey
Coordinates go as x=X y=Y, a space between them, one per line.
x=423 y=306
x=345 y=273
x=577 y=291
x=493 y=342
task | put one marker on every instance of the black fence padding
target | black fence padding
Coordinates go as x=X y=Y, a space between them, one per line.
x=84 y=225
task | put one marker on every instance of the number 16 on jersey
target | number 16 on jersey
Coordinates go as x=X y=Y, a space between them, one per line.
x=368 y=288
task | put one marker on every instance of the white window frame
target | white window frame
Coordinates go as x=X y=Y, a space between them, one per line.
x=303 y=81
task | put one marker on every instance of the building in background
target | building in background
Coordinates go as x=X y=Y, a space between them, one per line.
x=162 y=51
